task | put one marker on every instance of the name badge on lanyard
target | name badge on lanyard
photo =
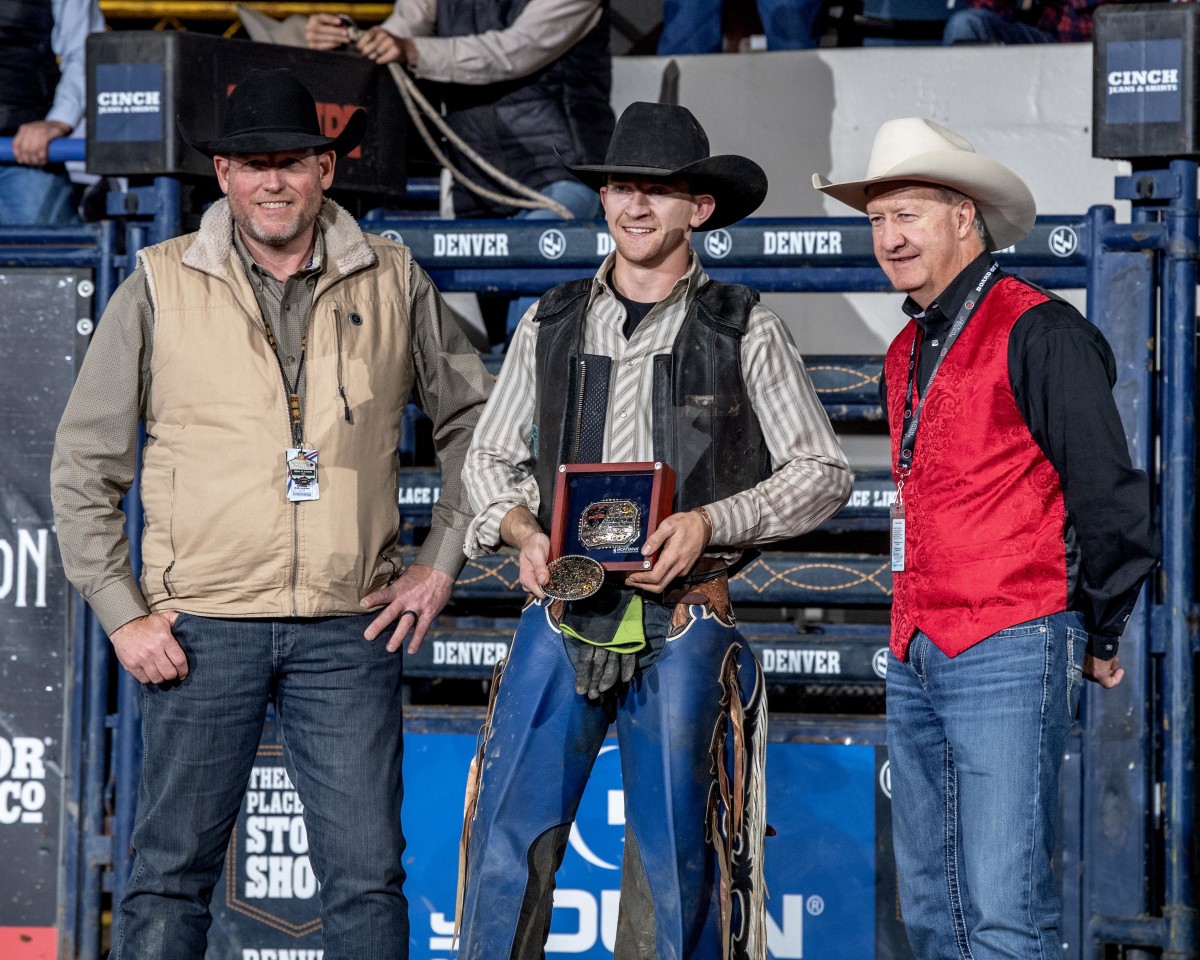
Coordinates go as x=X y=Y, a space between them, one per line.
x=301 y=475
x=898 y=533
x=912 y=418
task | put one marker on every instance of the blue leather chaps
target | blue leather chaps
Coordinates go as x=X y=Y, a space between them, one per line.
x=695 y=701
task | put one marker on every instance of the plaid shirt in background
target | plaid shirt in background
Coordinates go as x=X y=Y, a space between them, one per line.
x=1068 y=21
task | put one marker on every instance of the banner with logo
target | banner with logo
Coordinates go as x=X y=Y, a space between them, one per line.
x=765 y=242
x=46 y=315
x=1143 y=83
x=831 y=882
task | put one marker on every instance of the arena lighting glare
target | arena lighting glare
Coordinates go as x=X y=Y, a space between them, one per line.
x=1144 y=77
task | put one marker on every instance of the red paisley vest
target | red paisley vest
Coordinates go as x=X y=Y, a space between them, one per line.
x=984 y=507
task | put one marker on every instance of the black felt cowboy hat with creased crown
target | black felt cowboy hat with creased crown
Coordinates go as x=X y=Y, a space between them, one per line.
x=665 y=140
x=271 y=111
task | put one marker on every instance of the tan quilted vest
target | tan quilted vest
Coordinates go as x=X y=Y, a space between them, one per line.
x=221 y=538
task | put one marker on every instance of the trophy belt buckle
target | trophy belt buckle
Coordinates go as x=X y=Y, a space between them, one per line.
x=574 y=577
x=609 y=524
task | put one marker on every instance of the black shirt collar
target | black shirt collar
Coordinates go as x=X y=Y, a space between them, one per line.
x=945 y=308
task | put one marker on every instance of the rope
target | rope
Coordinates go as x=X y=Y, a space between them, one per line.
x=416 y=104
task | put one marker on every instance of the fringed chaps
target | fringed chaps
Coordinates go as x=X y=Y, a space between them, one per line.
x=738 y=809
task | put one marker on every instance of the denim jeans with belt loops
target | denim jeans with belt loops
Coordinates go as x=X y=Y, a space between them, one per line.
x=975 y=744
x=337 y=699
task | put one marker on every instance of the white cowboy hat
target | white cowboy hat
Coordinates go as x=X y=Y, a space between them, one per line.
x=913 y=148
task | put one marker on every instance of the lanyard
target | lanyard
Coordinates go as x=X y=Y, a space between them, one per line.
x=295 y=416
x=912 y=418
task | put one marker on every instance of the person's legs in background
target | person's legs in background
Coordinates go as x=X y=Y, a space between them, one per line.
x=581 y=200
x=791 y=24
x=584 y=204
x=690 y=26
x=986 y=26
x=36 y=196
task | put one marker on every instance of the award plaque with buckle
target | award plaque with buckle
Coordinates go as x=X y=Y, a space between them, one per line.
x=602 y=514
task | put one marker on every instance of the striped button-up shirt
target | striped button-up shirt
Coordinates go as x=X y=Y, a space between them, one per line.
x=810 y=481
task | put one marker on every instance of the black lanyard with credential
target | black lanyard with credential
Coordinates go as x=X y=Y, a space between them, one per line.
x=912 y=418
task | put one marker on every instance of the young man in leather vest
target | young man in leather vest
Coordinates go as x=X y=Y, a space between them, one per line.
x=270 y=356
x=1020 y=538
x=648 y=360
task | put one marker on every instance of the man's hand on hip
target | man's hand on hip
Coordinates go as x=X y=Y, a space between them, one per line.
x=1107 y=673
x=148 y=649
x=676 y=546
x=411 y=603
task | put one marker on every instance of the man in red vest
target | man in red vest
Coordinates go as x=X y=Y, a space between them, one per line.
x=1020 y=537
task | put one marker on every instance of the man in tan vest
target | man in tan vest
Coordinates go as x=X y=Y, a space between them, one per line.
x=270 y=356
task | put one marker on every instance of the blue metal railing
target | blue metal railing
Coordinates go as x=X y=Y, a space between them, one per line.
x=1163 y=918
x=60 y=150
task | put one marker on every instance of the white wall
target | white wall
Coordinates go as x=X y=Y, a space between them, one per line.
x=804 y=112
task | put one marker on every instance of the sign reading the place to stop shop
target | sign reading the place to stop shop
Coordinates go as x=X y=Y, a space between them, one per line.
x=827 y=802
x=265 y=906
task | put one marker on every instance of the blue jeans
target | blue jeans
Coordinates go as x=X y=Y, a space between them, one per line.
x=986 y=26
x=974 y=745
x=580 y=199
x=337 y=698
x=694 y=26
x=41 y=196
x=583 y=202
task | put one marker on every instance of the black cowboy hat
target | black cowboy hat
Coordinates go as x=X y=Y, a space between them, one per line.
x=665 y=140
x=270 y=111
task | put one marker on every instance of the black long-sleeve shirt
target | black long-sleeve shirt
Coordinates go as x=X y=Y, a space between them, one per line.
x=1062 y=372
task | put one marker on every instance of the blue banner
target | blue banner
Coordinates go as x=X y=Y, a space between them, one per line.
x=1144 y=82
x=820 y=865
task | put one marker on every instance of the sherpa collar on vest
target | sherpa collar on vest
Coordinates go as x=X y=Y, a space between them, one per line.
x=345 y=246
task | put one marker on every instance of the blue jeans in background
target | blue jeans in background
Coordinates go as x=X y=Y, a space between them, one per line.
x=580 y=199
x=337 y=699
x=986 y=26
x=694 y=26
x=975 y=744
x=583 y=202
x=36 y=196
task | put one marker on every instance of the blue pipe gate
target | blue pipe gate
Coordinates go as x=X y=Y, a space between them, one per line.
x=1128 y=781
